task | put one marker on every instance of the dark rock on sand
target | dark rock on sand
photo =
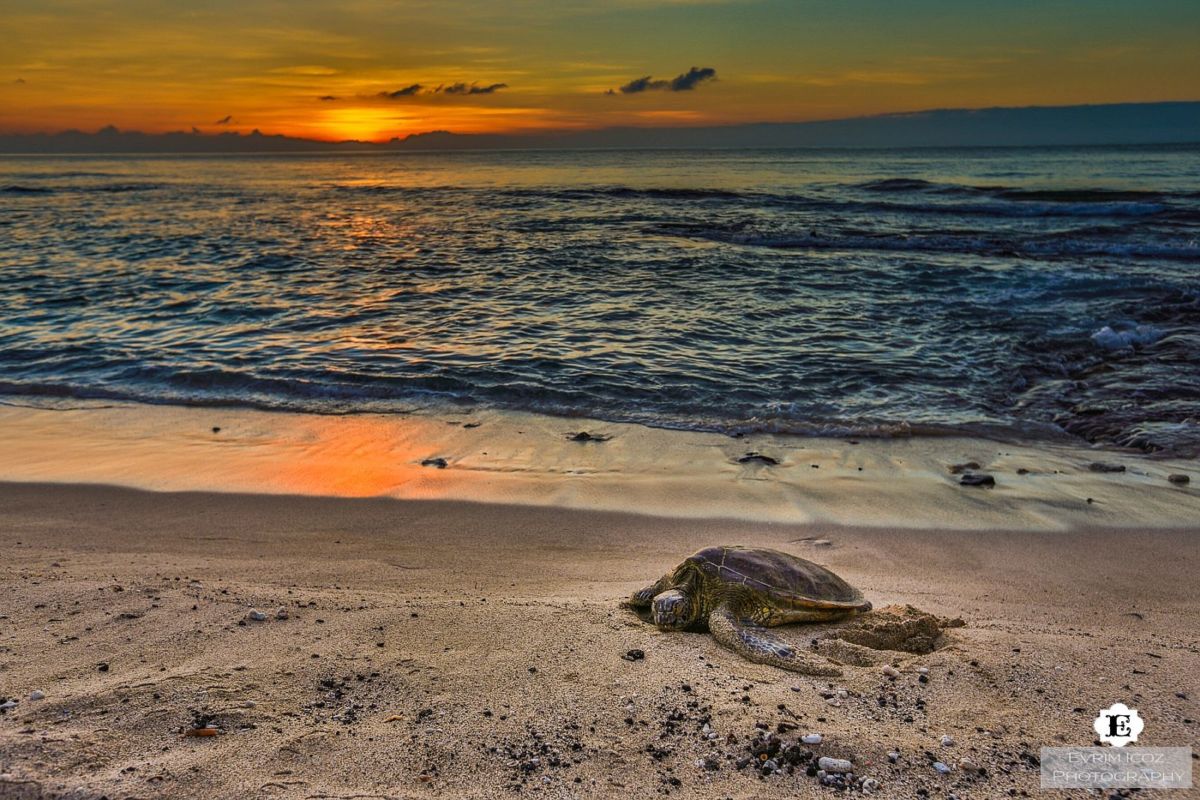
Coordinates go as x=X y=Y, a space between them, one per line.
x=584 y=436
x=634 y=655
x=440 y=463
x=977 y=479
x=757 y=458
x=1179 y=479
x=958 y=469
x=1103 y=466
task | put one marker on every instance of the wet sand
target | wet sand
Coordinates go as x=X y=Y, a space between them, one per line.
x=527 y=459
x=448 y=649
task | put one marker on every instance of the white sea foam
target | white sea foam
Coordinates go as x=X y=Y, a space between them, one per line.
x=1124 y=337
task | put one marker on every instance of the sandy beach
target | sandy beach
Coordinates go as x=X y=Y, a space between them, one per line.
x=440 y=648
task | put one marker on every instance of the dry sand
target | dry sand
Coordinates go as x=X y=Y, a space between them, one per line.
x=451 y=649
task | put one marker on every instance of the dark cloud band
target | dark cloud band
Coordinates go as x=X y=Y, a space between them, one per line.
x=420 y=90
x=680 y=83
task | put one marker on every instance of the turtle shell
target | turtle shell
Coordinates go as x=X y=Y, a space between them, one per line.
x=785 y=580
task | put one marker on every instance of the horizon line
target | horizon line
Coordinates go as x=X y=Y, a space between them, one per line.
x=533 y=132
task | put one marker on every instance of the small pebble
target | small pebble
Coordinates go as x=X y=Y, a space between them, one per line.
x=1102 y=466
x=37 y=694
x=256 y=615
x=922 y=670
x=891 y=671
x=281 y=613
x=834 y=764
x=438 y=462
x=812 y=738
x=870 y=785
x=947 y=741
x=634 y=655
x=941 y=768
x=7 y=704
x=967 y=765
x=1179 y=479
x=893 y=756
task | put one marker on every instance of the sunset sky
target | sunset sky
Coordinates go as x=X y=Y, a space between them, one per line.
x=373 y=69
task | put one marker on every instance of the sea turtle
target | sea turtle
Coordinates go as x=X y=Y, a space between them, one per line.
x=736 y=593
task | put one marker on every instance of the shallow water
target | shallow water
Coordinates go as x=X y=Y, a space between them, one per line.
x=1031 y=293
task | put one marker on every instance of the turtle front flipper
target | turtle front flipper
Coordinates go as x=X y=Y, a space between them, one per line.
x=643 y=598
x=755 y=643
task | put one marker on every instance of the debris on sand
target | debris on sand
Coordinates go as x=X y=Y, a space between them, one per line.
x=437 y=461
x=1103 y=466
x=758 y=458
x=209 y=731
x=201 y=725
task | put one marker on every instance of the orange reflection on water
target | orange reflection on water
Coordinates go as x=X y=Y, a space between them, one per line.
x=224 y=450
x=352 y=457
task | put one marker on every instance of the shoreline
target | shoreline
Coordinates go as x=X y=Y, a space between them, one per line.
x=437 y=648
x=491 y=456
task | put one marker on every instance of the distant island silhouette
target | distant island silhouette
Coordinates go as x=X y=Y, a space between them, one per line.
x=1111 y=124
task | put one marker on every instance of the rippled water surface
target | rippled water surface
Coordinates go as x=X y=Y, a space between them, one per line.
x=1030 y=292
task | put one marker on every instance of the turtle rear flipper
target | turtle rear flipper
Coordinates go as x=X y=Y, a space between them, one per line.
x=755 y=643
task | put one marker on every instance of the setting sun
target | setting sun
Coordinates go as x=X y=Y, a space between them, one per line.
x=364 y=124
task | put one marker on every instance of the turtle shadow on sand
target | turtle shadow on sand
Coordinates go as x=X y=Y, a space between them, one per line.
x=738 y=594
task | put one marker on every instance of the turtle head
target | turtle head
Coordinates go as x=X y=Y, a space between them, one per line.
x=675 y=610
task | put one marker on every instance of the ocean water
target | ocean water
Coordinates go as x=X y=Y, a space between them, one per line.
x=1022 y=293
